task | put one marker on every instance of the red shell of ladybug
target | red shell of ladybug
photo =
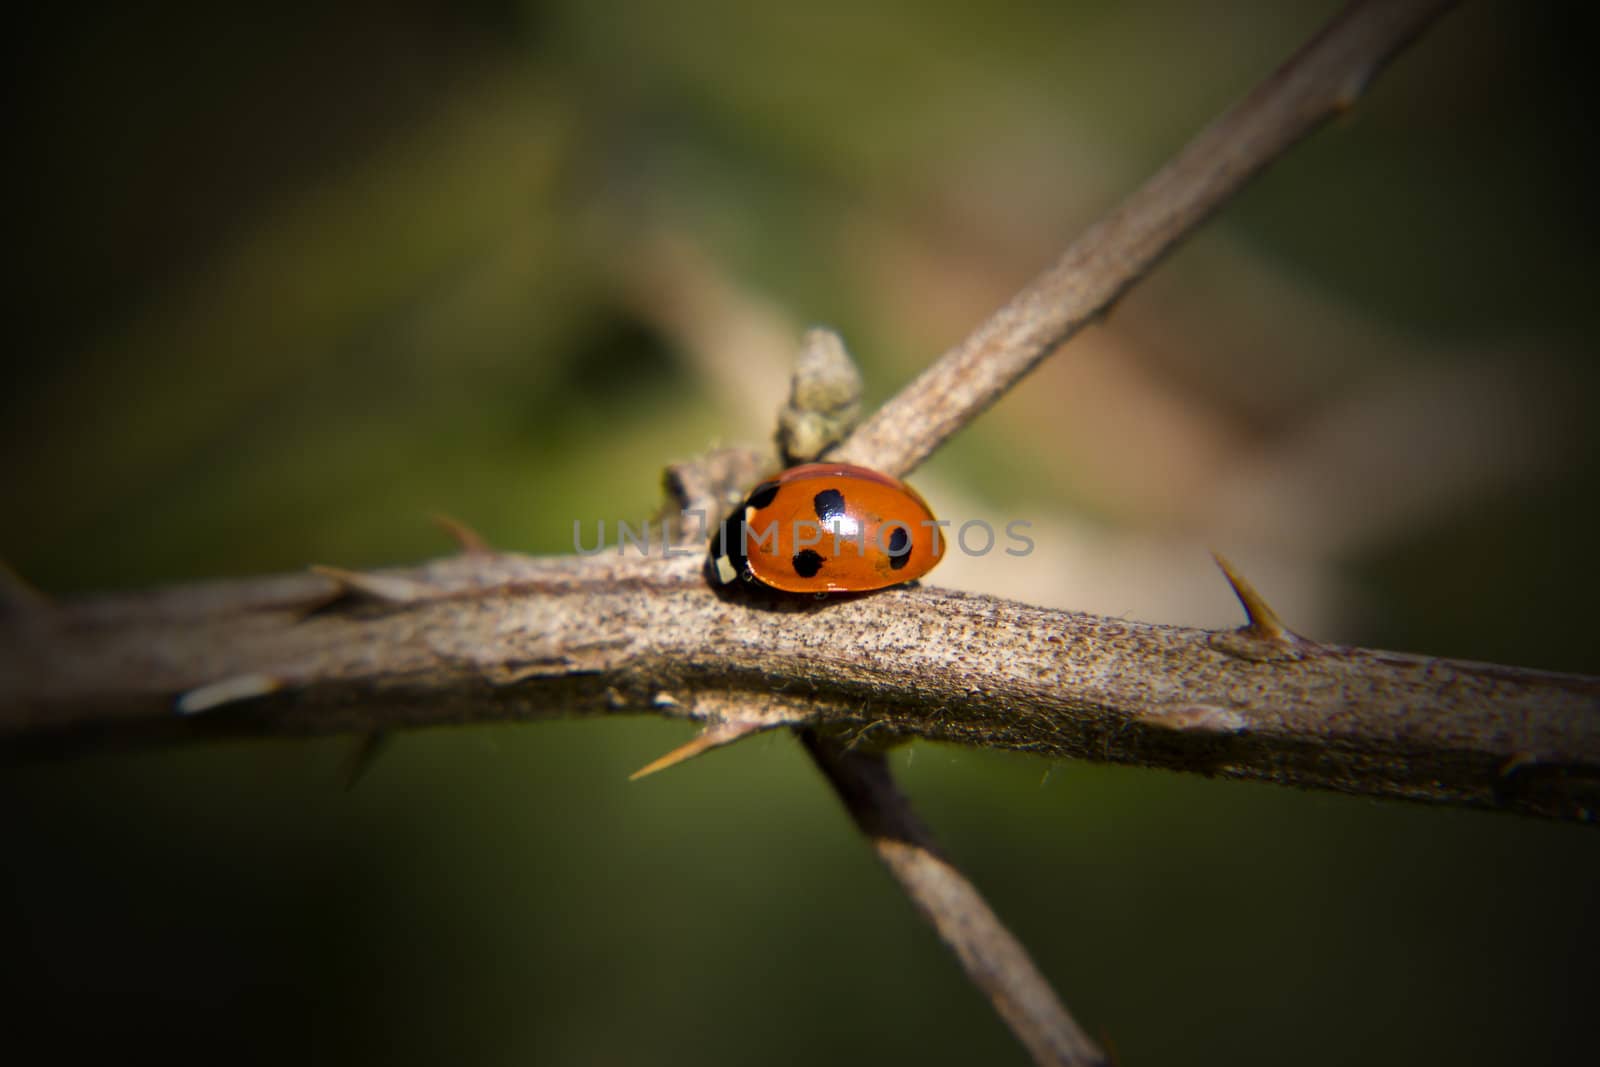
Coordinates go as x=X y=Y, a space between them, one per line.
x=827 y=528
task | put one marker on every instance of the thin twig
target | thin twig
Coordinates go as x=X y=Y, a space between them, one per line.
x=1322 y=80
x=991 y=956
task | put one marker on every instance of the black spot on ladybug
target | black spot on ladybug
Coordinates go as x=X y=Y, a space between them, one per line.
x=807 y=563
x=762 y=495
x=829 y=505
x=899 y=548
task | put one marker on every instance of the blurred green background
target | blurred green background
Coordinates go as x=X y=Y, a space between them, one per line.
x=290 y=279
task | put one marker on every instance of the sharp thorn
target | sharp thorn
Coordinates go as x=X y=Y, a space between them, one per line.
x=227 y=691
x=467 y=539
x=1264 y=623
x=713 y=737
x=369 y=747
x=385 y=587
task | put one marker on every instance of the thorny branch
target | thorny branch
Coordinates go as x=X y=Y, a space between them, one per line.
x=488 y=635
x=481 y=636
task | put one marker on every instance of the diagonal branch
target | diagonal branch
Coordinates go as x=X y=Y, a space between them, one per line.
x=1322 y=80
x=989 y=953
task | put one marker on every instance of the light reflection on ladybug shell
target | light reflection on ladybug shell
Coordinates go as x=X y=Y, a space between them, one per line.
x=828 y=528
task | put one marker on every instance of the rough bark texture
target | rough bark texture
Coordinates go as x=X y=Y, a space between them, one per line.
x=482 y=636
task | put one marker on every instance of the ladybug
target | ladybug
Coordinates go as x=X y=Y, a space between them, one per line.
x=827 y=528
